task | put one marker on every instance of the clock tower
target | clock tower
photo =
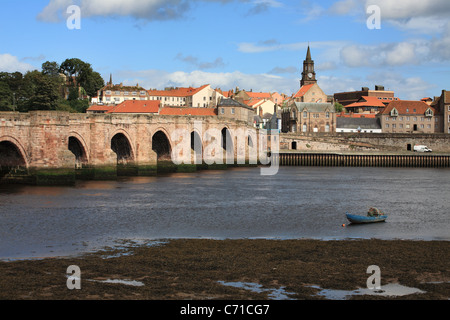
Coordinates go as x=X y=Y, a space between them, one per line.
x=308 y=74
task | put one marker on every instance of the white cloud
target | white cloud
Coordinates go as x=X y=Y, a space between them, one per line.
x=54 y=10
x=390 y=54
x=224 y=80
x=140 y=9
x=10 y=63
x=202 y=65
x=406 y=9
x=345 y=7
x=418 y=16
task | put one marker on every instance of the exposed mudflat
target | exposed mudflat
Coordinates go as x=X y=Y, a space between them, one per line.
x=200 y=269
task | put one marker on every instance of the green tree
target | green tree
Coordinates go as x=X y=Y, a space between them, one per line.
x=42 y=93
x=6 y=97
x=50 y=69
x=338 y=107
x=81 y=74
x=94 y=83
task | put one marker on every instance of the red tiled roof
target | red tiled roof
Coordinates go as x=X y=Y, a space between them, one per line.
x=100 y=108
x=253 y=102
x=403 y=105
x=136 y=106
x=179 y=92
x=262 y=95
x=303 y=90
x=367 y=102
x=171 y=111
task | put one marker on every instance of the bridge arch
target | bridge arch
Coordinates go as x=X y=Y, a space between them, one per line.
x=12 y=146
x=77 y=146
x=161 y=144
x=227 y=141
x=121 y=145
x=12 y=156
x=197 y=147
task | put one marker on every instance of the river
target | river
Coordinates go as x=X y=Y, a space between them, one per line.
x=296 y=203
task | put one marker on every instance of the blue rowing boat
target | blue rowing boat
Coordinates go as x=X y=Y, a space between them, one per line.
x=365 y=219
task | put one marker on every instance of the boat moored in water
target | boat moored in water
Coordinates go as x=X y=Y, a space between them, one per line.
x=365 y=219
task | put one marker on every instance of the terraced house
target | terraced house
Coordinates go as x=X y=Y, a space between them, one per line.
x=403 y=116
x=113 y=94
x=201 y=97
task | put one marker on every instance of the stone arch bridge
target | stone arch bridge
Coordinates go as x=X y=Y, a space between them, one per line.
x=53 y=140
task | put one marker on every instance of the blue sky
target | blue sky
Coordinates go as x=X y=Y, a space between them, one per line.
x=252 y=44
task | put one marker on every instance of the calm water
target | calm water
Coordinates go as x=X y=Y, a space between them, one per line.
x=296 y=203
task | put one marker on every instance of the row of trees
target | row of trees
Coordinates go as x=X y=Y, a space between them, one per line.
x=64 y=87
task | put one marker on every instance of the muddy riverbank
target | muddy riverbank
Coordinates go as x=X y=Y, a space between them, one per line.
x=201 y=269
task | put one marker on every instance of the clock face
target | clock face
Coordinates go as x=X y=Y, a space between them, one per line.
x=310 y=75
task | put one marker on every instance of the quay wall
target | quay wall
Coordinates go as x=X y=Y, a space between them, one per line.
x=363 y=160
x=390 y=142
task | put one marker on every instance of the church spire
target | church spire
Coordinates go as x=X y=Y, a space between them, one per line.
x=308 y=74
x=308 y=55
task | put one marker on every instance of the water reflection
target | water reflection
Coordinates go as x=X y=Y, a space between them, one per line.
x=236 y=203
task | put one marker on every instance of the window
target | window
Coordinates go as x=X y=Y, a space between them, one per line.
x=305 y=114
x=108 y=92
x=305 y=127
x=400 y=125
x=415 y=119
x=407 y=110
x=387 y=125
x=421 y=126
x=327 y=115
x=407 y=126
x=117 y=93
x=134 y=93
x=222 y=111
x=327 y=128
x=400 y=119
x=422 y=119
x=414 y=110
x=394 y=126
x=232 y=110
x=429 y=126
x=387 y=118
x=125 y=93
x=394 y=112
x=142 y=93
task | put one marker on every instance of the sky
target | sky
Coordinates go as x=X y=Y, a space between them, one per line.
x=258 y=45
